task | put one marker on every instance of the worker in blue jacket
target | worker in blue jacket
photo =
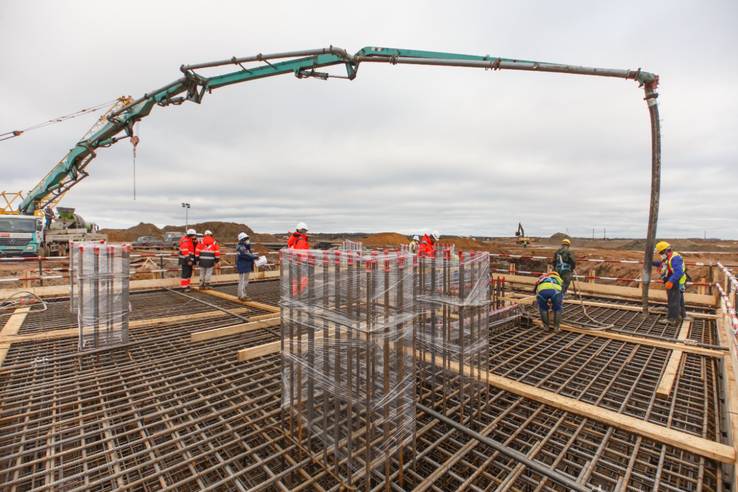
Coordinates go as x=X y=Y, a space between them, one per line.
x=244 y=263
x=674 y=275
x=548 y=289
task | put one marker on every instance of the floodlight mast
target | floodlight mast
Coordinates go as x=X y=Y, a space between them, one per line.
x=304 y=64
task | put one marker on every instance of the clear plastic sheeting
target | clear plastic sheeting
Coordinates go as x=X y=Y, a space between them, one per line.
x=453 y=330
x=99 y=296
x=347 y=366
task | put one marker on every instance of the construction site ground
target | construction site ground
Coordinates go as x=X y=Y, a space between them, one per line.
x=193 y=402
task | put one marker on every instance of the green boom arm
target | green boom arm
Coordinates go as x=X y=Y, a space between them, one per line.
x=192 y=87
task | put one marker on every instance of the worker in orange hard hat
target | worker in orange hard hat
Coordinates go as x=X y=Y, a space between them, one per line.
x=564 y=263
x=674 y=275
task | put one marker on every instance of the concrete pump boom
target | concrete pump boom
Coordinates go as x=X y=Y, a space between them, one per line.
x=303 y=64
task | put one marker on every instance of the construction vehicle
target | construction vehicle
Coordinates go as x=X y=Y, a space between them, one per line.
x=193 y=86
x=523 y=240
x=22 y=228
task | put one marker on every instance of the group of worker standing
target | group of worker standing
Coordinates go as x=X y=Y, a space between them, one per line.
x=550 y=288
x=205 y=254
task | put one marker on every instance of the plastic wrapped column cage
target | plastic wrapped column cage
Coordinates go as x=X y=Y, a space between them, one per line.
x=348 y=381
x=453 y=331
x=353 y=246
x=99 y=275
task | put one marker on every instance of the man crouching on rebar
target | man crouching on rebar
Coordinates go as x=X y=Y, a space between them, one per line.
x=548 y=290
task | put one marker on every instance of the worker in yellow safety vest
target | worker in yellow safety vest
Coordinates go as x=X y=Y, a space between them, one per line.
x=548 y=290
x=674 y=275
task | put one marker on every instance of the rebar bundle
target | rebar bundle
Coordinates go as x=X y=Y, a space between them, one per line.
x=347 y=357
x=452 y=329
x=99 y=274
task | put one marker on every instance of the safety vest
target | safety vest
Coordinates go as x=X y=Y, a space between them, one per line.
x=670 y=269
x=548 y=283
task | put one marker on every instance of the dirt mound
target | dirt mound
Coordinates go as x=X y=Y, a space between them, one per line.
x=224 y=231
x=130 y=234
x=382 y=239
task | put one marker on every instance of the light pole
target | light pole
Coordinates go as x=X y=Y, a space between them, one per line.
x=186 y=206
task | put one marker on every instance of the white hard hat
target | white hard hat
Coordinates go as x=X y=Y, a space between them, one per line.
x=242 y=236
x=416 y=237
x=301 y=226
x=191 y=232
x=436 y=235
x=208 y=232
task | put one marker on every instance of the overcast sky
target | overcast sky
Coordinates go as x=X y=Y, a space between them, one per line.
x=399 y=148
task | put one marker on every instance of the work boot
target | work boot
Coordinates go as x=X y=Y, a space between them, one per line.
x=557 y=321
x=544 y=318
x=664 y=321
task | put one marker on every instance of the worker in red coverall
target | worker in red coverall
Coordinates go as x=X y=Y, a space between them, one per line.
x=207 y=255
x=187 y=245
x=299 y=240
x=427 y=245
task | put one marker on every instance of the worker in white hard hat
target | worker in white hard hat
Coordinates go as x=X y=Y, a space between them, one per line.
x=207 y=255
x=564 y=263
x=413 y=245
x=244 y=263
x=674 y=275
x=427 y=245
x=299 y=238
x=187 y=245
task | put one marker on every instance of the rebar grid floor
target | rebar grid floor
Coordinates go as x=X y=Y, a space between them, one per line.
x=166 y=413
x=144 y=305
x=636 y=323
x=612 y=374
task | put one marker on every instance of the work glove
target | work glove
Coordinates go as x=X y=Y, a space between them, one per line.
x=669 y=285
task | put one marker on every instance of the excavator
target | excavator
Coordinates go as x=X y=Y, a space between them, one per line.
x=523 y=240
x=193 y=86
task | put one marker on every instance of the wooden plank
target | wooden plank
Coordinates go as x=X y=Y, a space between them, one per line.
x=618 y=290
x=232 y=298
x=651 y=342
x=730 y=364
x=225 y=331
x=63 y=290
x=15 y=321
x=682 y=440
x=675 y=362
x=259 y=350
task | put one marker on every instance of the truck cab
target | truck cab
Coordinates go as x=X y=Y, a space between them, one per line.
x=20 y=235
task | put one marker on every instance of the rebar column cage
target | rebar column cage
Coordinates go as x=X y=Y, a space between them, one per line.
x=99 y=276
x=348 y=379
x=453 y=331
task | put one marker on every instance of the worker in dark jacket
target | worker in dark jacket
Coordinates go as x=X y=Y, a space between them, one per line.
x=244 y=263
x=674 y=276
x=548 y=291
x=207 y=255
x=187 y=245
x=564 y=263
